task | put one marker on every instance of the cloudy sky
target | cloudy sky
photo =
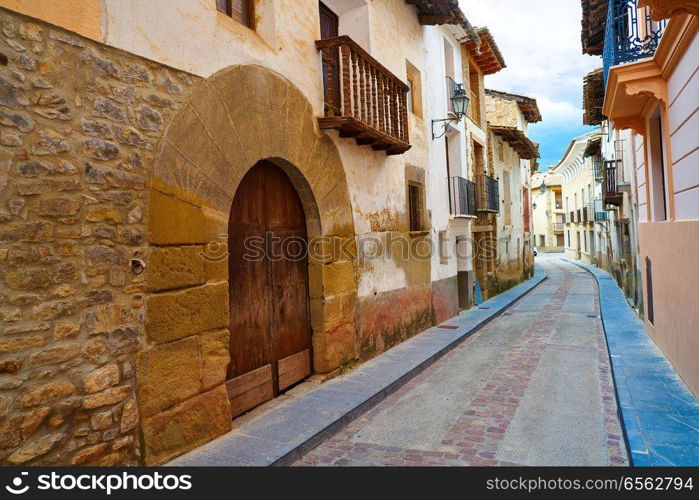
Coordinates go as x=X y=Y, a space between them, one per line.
x=540 y=41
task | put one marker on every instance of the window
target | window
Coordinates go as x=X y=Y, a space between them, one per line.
x=415 y=206
x=542 y=240
x=415 y=89
x=507 y=202
x=240 y=10
x=658 y=192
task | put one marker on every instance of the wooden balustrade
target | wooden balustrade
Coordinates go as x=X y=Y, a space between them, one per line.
x=363 y=99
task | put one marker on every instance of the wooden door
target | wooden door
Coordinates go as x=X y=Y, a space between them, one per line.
x=268 y=287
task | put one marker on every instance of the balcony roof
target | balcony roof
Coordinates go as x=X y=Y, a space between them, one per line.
x=594 y=20
x=594 y=147
x=431 y=12
x=485 y=51
x=525 y=148
x=593 y=97
x=528 y=105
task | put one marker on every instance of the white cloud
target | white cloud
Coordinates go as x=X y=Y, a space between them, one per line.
x=540 y=41
x=559 y=112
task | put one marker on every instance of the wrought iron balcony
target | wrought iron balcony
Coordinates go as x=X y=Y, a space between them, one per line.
x=610 y=184
x=558 y=227
x=462 y=197
x=488 y=191
x=630 y=34
x=363 y=99
x=597 y=164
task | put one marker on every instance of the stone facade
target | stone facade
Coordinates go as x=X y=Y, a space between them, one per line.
x=80 y=127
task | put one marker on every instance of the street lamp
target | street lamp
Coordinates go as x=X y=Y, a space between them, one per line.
x=542 y=188
x=459 y=104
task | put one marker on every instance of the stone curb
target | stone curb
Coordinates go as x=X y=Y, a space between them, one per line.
x=659 y=414
x=286 y=433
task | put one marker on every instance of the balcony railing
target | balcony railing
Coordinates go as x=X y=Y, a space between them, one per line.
x=558 y=227
x=363 y=99
x=610 y=183
x=630 y=34
x=462 y=197
x=488 y=191
x=597 y=164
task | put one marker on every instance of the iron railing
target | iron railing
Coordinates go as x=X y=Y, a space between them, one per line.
x=558 y=227
x=597 y=164
x=630 y=34
x=462 y=197
x=488 y=193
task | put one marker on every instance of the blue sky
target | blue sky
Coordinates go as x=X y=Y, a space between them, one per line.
x=540 y=41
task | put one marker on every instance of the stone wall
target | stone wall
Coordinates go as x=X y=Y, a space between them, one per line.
x=79 y=125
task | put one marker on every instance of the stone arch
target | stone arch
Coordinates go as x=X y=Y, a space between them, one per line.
x=232 y=120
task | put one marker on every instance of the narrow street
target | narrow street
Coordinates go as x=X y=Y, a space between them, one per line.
x=533 y=387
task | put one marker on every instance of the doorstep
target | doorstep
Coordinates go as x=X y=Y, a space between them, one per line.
x=287 y=432
x=659 y=414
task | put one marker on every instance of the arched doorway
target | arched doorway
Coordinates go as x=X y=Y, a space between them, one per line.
x=207 y=149
x=268 y=288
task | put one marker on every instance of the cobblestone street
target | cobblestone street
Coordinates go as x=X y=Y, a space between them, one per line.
x=533 y=387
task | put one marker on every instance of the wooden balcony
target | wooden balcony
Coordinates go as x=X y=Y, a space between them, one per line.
x=363 y=100
x=610 y=184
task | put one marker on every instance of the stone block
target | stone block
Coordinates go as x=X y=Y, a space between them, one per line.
x=174 y=315
x=89 y=454
x=175 y=267
x=46 y=393
x=58 y=354
x=101 y=378
x=334 y=331
x=168 y=374
x=107 y=397
x=129 y=416
x=35 y=449
x=173 y=221
x=18 y=344
x=215 y=358
x=186 y=426
x=339 y=277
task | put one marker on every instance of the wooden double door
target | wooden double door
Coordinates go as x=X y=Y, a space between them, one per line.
x=268 y=288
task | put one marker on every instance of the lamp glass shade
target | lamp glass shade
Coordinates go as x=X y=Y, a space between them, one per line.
x=542 y=188
x=459 y=100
